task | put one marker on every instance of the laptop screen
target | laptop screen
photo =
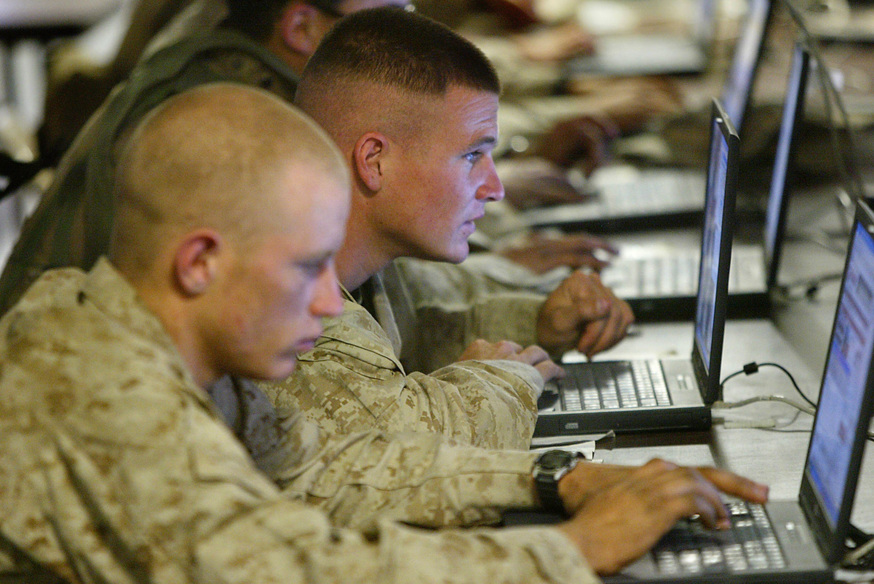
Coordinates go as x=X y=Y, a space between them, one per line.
x=835 y=440
x=715 y=245
x=739 y=85
x=793 y=112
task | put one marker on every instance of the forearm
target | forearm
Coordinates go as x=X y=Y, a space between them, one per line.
x=416 y=478
x=283 y=550
x=345 y=390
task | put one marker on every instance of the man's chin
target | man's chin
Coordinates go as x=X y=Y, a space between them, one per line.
x=281 y=370
x=456 y=255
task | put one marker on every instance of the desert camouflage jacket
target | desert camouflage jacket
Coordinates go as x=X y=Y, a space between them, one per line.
x=354 y=379
x=116 y=467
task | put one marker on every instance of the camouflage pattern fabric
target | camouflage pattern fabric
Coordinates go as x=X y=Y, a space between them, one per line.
x=441 y=308
x=116 y=467
x=354 y=381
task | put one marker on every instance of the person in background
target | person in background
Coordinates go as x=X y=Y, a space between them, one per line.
x=264 y=43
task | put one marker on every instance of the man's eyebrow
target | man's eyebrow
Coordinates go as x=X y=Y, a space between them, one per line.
x=485 y=141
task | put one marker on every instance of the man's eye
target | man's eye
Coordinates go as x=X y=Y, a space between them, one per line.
x=314 y=268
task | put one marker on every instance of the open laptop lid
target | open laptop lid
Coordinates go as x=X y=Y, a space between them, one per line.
x=781 y=179
x=716 y=236
x=846 y=398
x=747 y=56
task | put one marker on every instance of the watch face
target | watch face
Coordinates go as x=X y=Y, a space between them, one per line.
x=555 y=459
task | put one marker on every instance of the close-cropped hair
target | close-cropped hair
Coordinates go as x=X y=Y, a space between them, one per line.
x=403 y=50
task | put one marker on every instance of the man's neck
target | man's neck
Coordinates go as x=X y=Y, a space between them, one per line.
x=356 y=267
x=184 y=337
x=361 y=256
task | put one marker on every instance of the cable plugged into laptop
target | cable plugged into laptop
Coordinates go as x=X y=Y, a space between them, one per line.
x=749 y=369
x=768 y=423
x=860 y=552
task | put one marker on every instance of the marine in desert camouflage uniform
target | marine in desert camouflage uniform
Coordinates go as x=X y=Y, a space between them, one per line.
x=413 y=107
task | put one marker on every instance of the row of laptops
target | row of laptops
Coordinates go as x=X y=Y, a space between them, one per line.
x=660 y=281
x=625 y=199
x=602 y=396
x=800 y=540
x=795 y=541
x=786 y=541
x=607 y=395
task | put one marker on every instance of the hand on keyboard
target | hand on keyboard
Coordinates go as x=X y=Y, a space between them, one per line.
x=535 y=356
x=542 y=253
x=634 y=507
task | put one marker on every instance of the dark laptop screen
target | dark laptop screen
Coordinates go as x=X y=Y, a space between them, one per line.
x=712 y=240
x=793 y=112
x=845 y=380
x=739 y=85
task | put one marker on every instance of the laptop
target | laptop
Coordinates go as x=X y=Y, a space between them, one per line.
x=840 y=20
x=800 y=540
x=659 y=281
x=638 y=53
x=738 y=87
x=661 y=394
x=627 y=198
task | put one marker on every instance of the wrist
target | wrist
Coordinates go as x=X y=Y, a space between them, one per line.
x=550 y=469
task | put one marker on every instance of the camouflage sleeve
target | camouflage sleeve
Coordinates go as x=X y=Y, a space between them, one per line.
x=494 y=318
x=454 y=305
x=284 y=551
x=352 y=382
x=166 y=491
x=418 y=478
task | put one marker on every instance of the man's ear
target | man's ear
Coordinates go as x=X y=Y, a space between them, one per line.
x=296 y=28
x=196 y=261
x=369 y=159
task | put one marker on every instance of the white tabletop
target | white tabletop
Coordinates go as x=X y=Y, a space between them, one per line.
x=29 y=13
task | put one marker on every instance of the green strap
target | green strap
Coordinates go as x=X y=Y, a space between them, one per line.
x=158 y=79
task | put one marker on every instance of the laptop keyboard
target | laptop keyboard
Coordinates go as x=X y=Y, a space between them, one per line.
x=677 y=275
x=750 y=544
x=611 y=385
x=663 y=276
x=654 y=192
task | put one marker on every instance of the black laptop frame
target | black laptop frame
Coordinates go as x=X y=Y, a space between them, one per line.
x=675 y=416
x=773 y=246
x=708 y=367
x=831 y=538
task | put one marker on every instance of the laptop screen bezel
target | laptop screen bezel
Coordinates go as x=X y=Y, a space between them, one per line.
x=707 y=370
x=831 y=538
x=796 y=92
x=759 y=14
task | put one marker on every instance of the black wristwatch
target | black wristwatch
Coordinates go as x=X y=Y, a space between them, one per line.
x=548 y=470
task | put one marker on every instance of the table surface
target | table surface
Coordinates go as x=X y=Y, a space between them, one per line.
x=45 y=13
x=795 y=336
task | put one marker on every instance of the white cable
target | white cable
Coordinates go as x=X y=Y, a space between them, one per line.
x=778 y=398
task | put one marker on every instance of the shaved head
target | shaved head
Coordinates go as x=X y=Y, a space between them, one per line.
x=413 y=107
x=212 y=157
x=231 y=205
